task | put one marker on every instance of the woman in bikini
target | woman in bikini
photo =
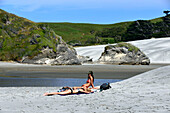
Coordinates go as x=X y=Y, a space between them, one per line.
x=89 y=82
x=84 y=88
x=70 y=91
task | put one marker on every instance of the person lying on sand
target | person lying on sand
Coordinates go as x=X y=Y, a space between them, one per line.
x=70 y=91
x=89 y=82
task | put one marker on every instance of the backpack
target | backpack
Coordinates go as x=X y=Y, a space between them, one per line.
x=105 y=86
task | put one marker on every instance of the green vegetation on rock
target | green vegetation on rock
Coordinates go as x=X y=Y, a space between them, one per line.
x=123 y=53
x=20 y=37
x=129 y=46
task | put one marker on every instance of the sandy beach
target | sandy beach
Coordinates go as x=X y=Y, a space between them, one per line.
x=148 y=92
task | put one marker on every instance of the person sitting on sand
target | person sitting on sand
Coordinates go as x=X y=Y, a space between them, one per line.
x=89 y=82
x=70 y=91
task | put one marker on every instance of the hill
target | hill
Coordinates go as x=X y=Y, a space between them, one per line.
x=90 y=34
x=25 y=41
x=85 y=34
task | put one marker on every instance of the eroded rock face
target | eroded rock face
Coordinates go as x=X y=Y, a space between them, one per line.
x=85 y=59
x=64 y=56
x=123 y=55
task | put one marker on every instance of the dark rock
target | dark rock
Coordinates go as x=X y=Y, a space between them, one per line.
x=92 y=31
x=8 y=22
x=76 y=44
x=44 y=28
x=37 y=35
x=22 y=36
x=31 y=29
x=1 y=43
x=33 y=41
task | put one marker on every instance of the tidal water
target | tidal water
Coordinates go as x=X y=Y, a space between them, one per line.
x=49 y=82
x=57 y=76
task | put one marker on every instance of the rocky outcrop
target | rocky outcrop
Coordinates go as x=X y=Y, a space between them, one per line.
x=64 y=56
x=123 y=53
x=25 y=41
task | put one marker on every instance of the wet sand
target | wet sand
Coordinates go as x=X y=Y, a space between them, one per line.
x=26 y=75
x=73 y=71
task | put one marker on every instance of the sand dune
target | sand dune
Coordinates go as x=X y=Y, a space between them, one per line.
x=158 y=50
x=147 y=93
x=92 y=51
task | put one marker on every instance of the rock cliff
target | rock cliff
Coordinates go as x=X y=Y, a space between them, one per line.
x=123 y=53
x=25 y=41
x=64 y=56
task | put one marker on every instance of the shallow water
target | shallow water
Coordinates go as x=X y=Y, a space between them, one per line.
x=56 y=76
x=49 y=82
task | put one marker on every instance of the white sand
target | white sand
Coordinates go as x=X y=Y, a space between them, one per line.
x=145 y=93
x=158 y=50
x=91 y=51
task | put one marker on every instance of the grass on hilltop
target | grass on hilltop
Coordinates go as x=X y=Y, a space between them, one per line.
x=92 y=34
x=85 y=33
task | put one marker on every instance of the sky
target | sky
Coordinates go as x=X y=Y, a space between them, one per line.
x=86 y=11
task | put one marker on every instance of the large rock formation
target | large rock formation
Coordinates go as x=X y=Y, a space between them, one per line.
x=123 y=53
x=24 y=41
x=64 y=56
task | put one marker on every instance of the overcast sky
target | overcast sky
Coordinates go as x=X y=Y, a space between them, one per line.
x=86 y=11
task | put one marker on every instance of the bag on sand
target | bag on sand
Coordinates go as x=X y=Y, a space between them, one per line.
x=105 y=86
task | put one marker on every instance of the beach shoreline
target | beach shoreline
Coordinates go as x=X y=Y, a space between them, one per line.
x=28 y=75
x=147 y=92
x=74 y=71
